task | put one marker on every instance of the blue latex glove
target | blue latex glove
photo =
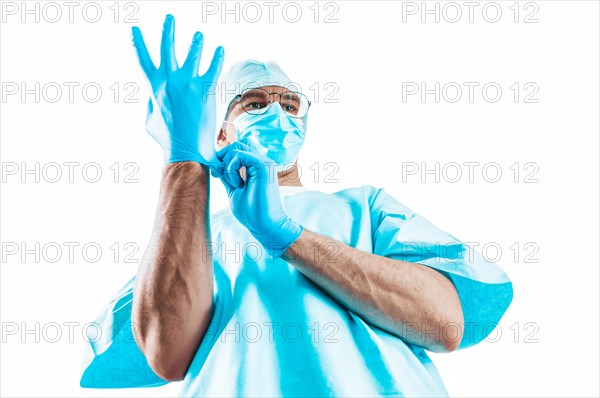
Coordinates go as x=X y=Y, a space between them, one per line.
x=182 y=107
x=255 y=201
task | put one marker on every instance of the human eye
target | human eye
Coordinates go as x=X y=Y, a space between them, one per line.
x=290 y=108
x=254 y=100
x=255 y=105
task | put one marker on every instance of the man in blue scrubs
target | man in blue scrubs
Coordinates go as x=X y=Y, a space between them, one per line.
x=288 y=292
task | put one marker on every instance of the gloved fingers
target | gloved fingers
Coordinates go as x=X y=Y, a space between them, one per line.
x=222 y=153
x=221 y=174
x=225 y=169
x=216 y=65
x=167 y=45
x=232 y=169
x=216 y=171
x=250 y=143
x=253 y=146
x=244 y=144
x=142 y=51
x=193 y=59
x=255 y=168
x=227 y=159
x=228 y=187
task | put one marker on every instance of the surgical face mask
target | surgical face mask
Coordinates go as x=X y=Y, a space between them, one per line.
x=275 y=134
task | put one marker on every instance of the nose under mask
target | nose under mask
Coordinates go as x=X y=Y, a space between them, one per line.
x=275 y=134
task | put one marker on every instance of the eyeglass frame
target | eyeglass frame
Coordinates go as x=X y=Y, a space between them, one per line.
x=237 y=97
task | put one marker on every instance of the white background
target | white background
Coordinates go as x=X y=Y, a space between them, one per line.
x=549 y=336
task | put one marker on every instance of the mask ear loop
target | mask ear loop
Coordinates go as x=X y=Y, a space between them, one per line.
x=232 y=103
x=229 y=110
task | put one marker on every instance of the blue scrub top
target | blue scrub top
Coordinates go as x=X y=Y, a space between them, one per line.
x=276 y=333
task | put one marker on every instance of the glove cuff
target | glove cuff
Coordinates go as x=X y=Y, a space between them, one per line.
x=278 y=241
x=180 y=157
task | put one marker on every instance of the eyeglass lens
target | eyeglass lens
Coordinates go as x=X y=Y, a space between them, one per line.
x=257 y=101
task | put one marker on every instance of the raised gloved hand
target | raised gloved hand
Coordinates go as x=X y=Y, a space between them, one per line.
x=182 y=107
x=255 y=201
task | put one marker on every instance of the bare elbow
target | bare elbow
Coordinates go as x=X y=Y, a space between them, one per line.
x=451 y=344
x=452 y=335
x=453 y=331
x=162 y=360
x=449 y=334
x=168 y=370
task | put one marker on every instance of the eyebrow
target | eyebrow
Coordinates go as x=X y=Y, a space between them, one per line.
x=293 y=96
x=250 y=94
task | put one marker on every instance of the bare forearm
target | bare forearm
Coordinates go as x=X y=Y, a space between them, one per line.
x=409 y=300
x=173 y=293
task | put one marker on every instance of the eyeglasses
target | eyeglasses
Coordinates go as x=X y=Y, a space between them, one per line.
x=257 y=101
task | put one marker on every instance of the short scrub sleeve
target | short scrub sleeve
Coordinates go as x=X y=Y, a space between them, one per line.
x=484 y=289
x=113 y=358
